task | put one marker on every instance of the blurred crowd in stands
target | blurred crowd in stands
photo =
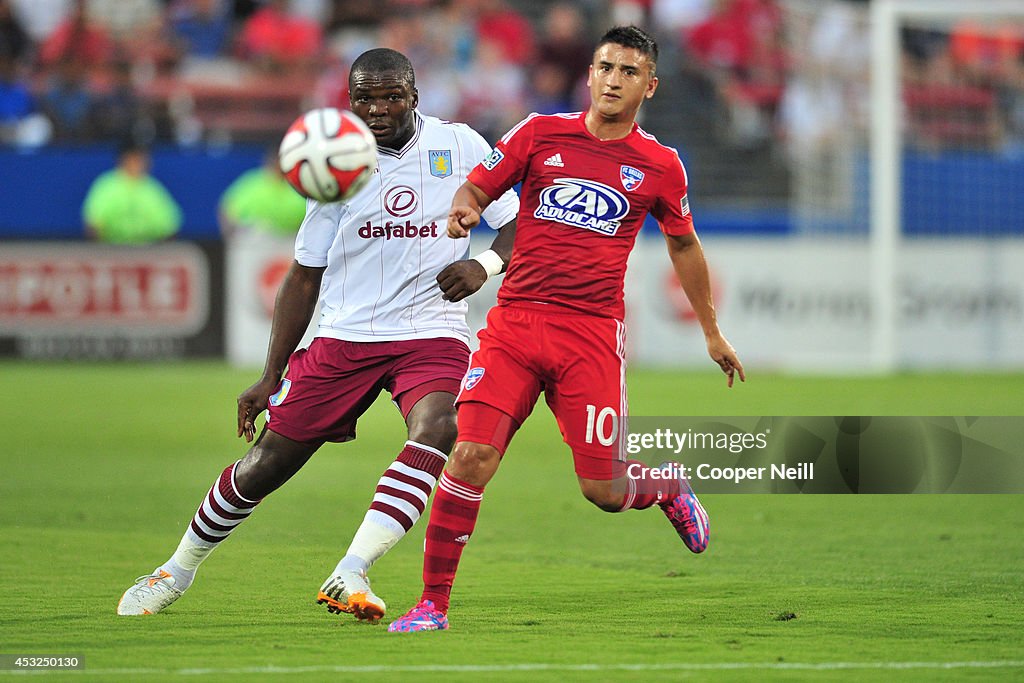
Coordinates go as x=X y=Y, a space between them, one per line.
x=189 y=70
x=966 y=84
x=788 y=73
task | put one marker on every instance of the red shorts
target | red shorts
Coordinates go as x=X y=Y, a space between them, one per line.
x=330 y=384
x=577 y=360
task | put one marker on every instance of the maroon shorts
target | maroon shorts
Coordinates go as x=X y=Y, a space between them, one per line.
x=330 y=384
x=577 y=360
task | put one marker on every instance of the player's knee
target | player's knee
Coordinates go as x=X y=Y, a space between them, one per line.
x=606 y=503
x=437 y=429
x=601 y=494
x=258 y=473
x=473 y=463
x=270 y=462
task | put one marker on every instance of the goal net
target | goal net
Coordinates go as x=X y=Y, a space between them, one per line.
x=903 y=124
x=947 y=171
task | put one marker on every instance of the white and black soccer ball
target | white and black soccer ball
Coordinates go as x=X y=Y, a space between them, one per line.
x=328 y=155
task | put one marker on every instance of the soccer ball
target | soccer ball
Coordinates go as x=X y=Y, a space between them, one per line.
x=328 y=155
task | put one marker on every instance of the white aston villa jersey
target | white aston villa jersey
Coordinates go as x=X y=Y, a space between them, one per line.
x=384 y=248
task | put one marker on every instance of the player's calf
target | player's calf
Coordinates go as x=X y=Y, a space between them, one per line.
x=603 y=494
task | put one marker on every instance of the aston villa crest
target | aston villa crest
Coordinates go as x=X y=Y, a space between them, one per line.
x=440 y=163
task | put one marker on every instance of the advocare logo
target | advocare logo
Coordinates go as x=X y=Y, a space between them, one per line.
x=400 y=201
x=583 y=204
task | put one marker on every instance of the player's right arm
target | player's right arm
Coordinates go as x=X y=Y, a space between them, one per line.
x=491 y=178
x=462 y=278
x=293 y=309
x=467 y=205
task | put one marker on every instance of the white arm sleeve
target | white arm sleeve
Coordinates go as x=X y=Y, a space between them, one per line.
x=317 y=233
x=502 y=210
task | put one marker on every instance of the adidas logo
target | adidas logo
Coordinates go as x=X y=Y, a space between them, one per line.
x=463 y=539
x=554 y=160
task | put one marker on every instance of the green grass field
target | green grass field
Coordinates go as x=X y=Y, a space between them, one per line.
x=103 y=466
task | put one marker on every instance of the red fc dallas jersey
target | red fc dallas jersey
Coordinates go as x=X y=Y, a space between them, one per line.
x=582 y=203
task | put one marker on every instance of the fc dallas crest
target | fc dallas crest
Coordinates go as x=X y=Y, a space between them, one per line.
x=630 y=177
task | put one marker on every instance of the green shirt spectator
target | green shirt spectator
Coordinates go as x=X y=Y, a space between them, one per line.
x=261 y=199
x=128 y=206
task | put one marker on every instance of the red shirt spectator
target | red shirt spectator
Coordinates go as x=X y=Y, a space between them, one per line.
x=738 y=36
x=79 y=40
x=987 y=51
x=272 y=33
x=501 y=25
x=724 y=39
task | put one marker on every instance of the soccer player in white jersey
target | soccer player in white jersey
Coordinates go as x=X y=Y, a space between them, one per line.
x=391 y=285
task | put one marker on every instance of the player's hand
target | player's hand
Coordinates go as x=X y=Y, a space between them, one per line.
x=462 y=219
x=460 y=279
x=251 y=403
x=721 y=352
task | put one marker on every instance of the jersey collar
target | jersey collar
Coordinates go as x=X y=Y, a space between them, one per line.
x=583 y=124
x=399 y=153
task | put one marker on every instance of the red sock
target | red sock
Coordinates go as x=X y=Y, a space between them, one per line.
x=643 y=491
x=452 y=518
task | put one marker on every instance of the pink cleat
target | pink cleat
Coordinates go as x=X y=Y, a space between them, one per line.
x=687 y=515
x=423 y=617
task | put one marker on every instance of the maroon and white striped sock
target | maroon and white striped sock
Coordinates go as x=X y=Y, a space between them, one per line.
x=399 y=500
x=223 y=509
x=643 y=491
x=452 y=519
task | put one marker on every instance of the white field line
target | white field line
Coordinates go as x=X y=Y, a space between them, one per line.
x=527 y=667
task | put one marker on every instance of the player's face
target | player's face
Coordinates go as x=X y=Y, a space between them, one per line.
x=620 y=80
x=385 y=101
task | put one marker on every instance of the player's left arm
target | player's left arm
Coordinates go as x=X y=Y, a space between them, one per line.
x=463 y=278
x=692 y=270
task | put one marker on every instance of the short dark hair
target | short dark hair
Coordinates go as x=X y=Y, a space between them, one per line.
x=636 y=38
x=381 y=59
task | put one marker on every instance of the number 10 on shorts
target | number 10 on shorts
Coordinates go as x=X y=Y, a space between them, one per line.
x=604 y=425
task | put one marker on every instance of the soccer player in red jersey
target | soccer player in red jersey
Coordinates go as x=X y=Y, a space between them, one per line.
x=588 y=182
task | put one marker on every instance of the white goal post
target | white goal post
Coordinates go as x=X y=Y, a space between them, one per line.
x=886 y=149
